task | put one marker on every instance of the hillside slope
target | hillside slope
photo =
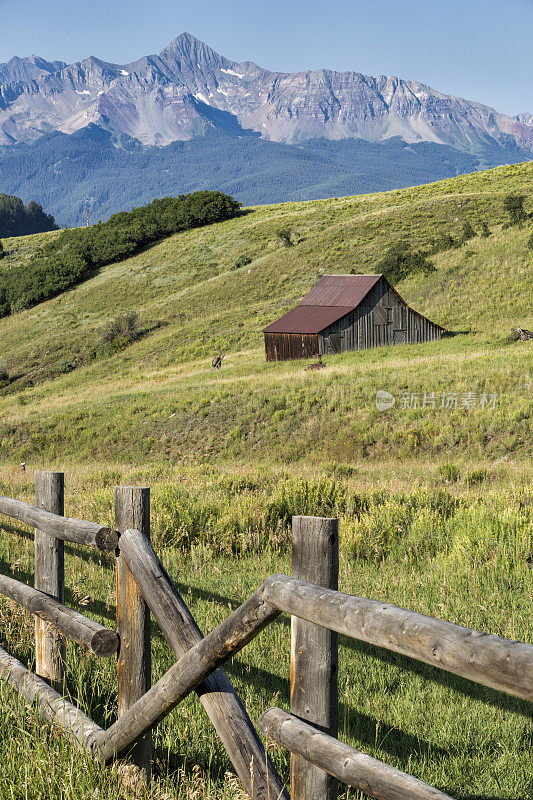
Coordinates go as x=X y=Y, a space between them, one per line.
x=159 y=398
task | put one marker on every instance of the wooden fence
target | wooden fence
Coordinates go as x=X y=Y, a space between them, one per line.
x=319 y=612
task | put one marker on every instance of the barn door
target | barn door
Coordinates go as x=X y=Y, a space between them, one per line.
x=335 y=342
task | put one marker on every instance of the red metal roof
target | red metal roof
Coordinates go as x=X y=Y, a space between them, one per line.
x=340 y=290
x=307 y=319
x=329 y=300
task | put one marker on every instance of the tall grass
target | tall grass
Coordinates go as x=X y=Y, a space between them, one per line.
x=455 y=551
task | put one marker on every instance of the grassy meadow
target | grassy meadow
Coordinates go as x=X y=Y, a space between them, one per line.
x=457 y=552
x=434 y=502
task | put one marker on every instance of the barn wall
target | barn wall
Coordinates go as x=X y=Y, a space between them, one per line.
x=384 y=319
x=285 y=346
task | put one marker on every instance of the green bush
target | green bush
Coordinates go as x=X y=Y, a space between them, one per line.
x=401 y=260
x=513 y=205
x=477 y=476
x=242 y=261
x=341 y=470
x=4 y=374
x=448 y=473
x=444 y=242
x=118 y=334
x=467 y=232
x=285 y=236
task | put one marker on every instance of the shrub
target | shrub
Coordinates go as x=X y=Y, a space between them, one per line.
x=399 y=525
x=467 y=232
x=448 y=473
x=477 y=476
x=242 y=261
x=4 y=304
x=118 y=334
x=485 y=231
x=530 y=242
x=513 y=205
x=341 y=470
x=4 y=374
x=285 y=236
x=444 y=242
x=2 y=251
x=400 y=261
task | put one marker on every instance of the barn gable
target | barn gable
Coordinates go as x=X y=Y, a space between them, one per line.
x=346 y=312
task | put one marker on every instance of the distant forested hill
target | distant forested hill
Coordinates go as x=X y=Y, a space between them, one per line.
x=118 y=173
x=16 y=219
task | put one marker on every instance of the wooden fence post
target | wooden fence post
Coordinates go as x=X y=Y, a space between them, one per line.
x=314 y=652
x=132 y=511
x=50 y=578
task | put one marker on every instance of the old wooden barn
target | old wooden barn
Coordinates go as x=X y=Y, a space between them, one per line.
x=346 y=312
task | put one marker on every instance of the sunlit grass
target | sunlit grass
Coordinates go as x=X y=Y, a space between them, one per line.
x=434 y=504
x=453 y=550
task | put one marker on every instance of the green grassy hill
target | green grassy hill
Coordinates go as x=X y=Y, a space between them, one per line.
x=158 y=398
x=434 y=503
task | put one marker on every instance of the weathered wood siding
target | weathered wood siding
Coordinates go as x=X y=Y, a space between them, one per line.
x=285 y=346
x=382 y=319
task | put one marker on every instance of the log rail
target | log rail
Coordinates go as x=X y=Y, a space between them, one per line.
x=318 y=612
x=77 y=531
x=481 y=657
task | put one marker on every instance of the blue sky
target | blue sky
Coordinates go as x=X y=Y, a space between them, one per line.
x=478 y=49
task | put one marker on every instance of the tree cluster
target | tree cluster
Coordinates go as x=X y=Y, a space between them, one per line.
x=16 y=219
x=72 y=255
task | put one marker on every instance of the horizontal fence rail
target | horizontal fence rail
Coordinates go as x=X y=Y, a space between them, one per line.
x=90 y=634
x=69 y=530
x=343 y=762
x=481 y=657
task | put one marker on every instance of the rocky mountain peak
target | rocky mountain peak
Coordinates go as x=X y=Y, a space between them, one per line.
x=189 y=88
x=27 y=69
x=189 y=48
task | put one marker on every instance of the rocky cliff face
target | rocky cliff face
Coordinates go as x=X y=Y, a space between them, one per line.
x=188 y=88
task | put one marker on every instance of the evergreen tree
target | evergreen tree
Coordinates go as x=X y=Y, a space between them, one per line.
x=513 y=204
x=467 y=232
x=16 y=219
x=70 y=257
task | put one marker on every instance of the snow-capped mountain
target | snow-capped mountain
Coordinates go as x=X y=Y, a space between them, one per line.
x=189 y=88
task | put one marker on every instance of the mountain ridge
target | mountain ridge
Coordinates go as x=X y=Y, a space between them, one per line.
x=176 y=94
